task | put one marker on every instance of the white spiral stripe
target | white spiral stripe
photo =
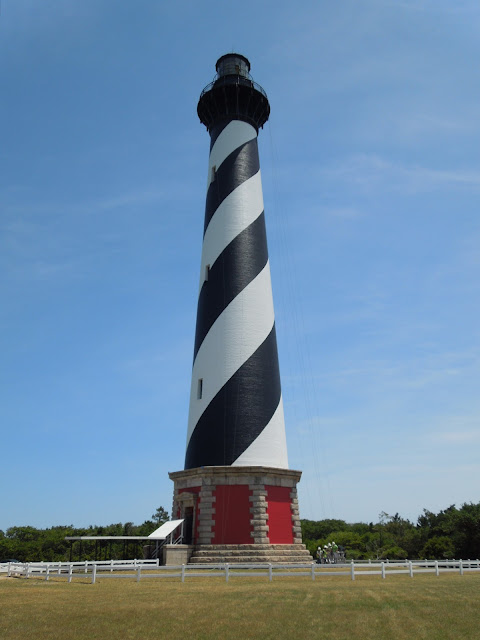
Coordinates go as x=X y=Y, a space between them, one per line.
x=239 y=209
x=233 y=136
x=233 y=338
x=270 y=447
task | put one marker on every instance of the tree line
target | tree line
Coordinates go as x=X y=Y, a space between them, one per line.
x=450 y=533
x=28 y=544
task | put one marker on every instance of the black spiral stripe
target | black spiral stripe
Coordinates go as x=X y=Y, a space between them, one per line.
x=240 y=165
x=239 y=412
x=240 y=262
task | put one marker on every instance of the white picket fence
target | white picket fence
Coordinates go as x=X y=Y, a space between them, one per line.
x=144 y=569
x=85 y=568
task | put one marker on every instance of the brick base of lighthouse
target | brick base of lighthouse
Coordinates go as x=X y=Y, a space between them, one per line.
x=240 y=514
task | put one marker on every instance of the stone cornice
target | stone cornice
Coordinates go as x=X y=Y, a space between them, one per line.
x=218 y=472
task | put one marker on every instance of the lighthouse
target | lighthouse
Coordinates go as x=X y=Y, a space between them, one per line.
x=236 y=494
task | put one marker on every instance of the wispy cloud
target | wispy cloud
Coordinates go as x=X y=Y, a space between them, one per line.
x=413 y=370
x=418 y=125
x=27 y=16
x=457 y=429
x=342 y=213
x=46 y=239
x=28 y=207
x=434 y=6
x=370 y=171
x=461 y=437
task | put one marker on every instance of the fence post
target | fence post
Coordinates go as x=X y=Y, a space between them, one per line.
x=313 y=571
x=86 y=566
x=94 y=573
x=70 y=571
x=183 y=573
x=47 y=567
x=226 y=572
x=111 y=566
x=410 y=569
x=9 y=570
x=383 y=569
x=352 y=570
x=270 y=575
x=139 y=569
x=460 y=566
x=437 y=570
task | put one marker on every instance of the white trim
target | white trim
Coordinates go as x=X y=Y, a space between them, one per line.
x=165 y=529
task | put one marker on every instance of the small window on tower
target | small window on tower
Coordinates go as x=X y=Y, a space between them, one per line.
x=207 y=272
x=237 y=69
x=200 y=388
x=214 y=173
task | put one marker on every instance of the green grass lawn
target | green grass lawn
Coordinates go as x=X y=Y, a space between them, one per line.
x=425 y=606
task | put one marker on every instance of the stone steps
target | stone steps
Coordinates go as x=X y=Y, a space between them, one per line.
x=251 y=559
x=221 y=553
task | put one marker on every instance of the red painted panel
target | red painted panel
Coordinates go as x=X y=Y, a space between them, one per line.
x=279 y=515
x=232 y=515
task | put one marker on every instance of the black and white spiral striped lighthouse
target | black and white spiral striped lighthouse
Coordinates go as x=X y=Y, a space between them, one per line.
x=236 y=488
x=236 y=412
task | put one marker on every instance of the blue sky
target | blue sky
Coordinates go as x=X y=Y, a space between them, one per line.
x=371 y=178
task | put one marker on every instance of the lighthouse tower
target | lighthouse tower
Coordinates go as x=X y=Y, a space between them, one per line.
x=236 y=494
